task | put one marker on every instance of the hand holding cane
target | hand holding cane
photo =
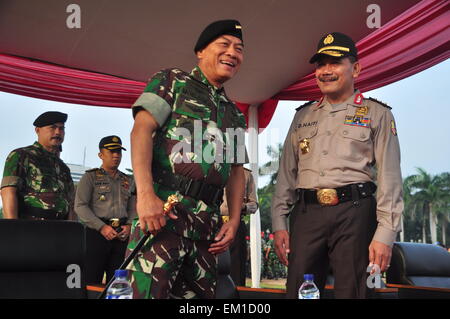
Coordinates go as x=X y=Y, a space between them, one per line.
x=172 y=200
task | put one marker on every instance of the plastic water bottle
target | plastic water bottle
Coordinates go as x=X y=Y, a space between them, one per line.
x=308 y=290
x=120 y=288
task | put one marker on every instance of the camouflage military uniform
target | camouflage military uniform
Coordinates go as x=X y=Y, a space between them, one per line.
x=42 y=179
x=194 y=140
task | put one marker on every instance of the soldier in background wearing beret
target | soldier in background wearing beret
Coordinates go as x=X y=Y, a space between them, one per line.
x=188 y=141
x=326 y=180
x=105 y=204
x=36 y=183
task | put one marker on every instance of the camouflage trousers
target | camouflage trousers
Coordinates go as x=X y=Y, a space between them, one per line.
x=172 y=266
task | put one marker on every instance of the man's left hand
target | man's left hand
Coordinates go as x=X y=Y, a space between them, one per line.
x=123 y=235
x=380 y=254
x=224 y=238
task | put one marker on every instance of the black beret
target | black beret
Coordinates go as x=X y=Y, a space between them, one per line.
x=335 y=44
x=49 y=118
x=216 y=29
x=111 y=142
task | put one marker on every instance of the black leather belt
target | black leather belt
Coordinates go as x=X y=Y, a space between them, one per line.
x=334 y=196
x=35 y=213
x=115 y=223
x=197 y=189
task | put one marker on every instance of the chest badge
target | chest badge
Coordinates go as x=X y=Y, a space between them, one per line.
x=359 y=118
x=304 y=146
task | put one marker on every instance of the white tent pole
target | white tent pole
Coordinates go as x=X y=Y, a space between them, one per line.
x=255 y=220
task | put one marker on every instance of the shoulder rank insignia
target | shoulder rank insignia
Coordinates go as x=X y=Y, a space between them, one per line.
x=379 y=102
x=305 y=105
x=91 y=170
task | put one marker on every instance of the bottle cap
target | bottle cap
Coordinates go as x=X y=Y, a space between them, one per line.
x=308 y=277
x=120 y=273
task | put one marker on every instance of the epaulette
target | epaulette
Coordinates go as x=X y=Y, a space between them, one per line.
x=92 y=170
x=305 y=105
x=379 y=102
x=125 y=174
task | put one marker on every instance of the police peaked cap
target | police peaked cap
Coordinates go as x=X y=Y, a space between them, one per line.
x=335 y=44
x=215 y=30
x=49 y=118
x=111 y=143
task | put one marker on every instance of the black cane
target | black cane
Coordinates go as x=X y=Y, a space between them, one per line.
x=127 y=261
x=172 y=200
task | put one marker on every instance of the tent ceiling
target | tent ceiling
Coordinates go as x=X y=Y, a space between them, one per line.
x=134 y=39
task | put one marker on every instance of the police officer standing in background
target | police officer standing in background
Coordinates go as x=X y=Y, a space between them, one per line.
x=104 y=203
x=326 y=180
x=36 y=183
x=188 y=141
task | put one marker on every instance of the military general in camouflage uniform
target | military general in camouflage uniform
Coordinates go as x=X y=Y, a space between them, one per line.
x=188 y=140
x=36 y=183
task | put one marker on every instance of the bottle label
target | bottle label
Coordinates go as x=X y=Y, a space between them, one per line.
x=119 y=297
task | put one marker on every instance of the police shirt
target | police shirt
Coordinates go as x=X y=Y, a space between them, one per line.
x=329 y=147
x=99 y=195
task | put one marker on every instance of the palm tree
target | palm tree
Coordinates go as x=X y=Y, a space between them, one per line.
x=414 y=212
x=443 y=217
x=426 y=193
x=265 y=193
x=271 y=167
x=443 y=207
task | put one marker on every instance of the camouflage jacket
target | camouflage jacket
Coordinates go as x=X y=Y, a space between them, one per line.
x=42 y=179
x=201 y=135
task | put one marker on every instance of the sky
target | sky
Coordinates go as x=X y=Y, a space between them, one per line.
x=419 y=104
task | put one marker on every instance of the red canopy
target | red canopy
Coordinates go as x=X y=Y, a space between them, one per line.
x=410 y=43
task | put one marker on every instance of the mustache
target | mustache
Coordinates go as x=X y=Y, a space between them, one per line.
x=58 y=138
x=327 y=78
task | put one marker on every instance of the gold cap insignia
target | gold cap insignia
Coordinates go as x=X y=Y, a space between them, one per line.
x=237 y=26
x=115 y=139
x=328 y=40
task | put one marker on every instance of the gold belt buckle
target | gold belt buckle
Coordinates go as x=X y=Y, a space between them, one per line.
x=115 y=222
x=327 y=197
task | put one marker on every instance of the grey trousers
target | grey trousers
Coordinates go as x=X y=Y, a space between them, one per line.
x=335 y=236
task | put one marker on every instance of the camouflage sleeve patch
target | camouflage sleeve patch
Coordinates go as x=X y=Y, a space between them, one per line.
x=157 y=96
x=12 y=174
x=154 y=104
x=10 y=181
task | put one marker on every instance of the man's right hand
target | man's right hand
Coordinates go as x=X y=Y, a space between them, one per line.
x=282 y=245
x=108 y=232
x=150 y=210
